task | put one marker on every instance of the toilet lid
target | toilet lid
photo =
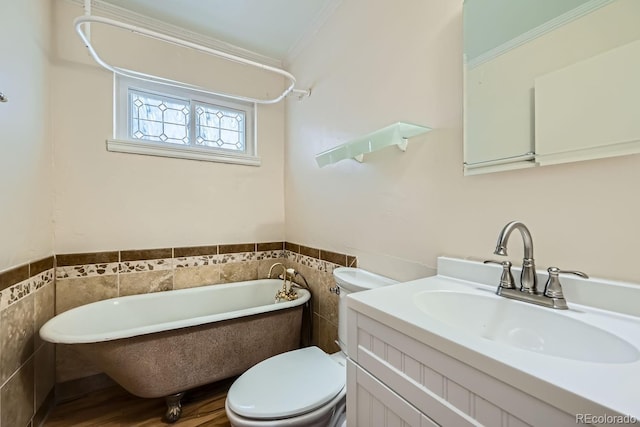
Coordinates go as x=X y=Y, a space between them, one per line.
x=287 y=385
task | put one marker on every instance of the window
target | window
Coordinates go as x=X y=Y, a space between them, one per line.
x=162 y=120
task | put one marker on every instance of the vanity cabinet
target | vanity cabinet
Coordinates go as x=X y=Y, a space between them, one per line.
x=395 y=380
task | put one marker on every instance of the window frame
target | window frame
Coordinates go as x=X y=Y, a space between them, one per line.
x=122 y=116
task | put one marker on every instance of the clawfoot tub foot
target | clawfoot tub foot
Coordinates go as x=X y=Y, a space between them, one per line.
x=174 y=408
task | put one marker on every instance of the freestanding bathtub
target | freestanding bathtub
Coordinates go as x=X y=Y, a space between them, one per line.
x=162 y=344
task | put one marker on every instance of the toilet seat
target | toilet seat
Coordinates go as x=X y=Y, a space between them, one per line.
x=280 y=387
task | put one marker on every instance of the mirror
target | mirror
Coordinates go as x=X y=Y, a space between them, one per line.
x=549 y=81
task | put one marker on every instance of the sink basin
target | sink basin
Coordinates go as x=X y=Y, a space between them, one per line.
x=524 y=326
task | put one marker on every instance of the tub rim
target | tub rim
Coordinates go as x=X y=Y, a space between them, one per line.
x=49 y=333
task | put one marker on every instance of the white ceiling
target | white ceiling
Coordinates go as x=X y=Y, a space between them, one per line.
x=269 y=27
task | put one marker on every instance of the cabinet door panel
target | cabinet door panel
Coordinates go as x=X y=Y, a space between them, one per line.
x=376 y=405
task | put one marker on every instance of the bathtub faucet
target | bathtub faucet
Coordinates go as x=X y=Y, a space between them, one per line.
x=287 y=293
x=284 y=269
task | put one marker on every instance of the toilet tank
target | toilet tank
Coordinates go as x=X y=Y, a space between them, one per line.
x=350 y=279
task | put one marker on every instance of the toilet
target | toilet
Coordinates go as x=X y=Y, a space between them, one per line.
x=304 y=387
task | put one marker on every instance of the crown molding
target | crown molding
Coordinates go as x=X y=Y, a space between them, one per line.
x=538 y=31
x=320 y=19
x=108 y=10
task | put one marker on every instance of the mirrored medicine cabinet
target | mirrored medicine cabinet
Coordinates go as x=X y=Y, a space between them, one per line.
x=549 y=82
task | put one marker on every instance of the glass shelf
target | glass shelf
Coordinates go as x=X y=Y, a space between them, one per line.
x=397 y=134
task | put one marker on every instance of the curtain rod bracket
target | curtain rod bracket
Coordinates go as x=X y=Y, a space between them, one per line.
x=300 y=93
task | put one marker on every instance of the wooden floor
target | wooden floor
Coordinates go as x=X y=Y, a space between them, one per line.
x=114 y=407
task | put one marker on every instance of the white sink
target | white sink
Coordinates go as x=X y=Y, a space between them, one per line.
x=524 y=326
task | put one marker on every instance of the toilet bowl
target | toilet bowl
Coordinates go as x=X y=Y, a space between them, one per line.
x=305 y=387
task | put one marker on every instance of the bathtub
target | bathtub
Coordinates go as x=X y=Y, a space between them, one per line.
x=161 y=344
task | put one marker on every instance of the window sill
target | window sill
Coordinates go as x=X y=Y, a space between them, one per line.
x=150 y=148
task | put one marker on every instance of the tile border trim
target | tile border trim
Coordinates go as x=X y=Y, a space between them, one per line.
x=22 y=280
x=131 y=261
x=23 y=289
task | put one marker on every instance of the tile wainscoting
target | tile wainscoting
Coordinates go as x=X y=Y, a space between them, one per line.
x=317 y=266
x=27 y=364
x=89 y=277
x=33 y=293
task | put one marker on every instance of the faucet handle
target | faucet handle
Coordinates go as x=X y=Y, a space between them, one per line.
x=506 y=279
x=553 y=289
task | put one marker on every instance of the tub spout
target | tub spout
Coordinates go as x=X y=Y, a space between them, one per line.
x=284 y=269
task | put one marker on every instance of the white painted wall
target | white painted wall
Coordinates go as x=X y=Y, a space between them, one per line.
x=25 y=138
x=110 y=201
x=396 y=211
x=374 y=63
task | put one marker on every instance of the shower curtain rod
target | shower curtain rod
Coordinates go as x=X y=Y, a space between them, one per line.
x=87 y=19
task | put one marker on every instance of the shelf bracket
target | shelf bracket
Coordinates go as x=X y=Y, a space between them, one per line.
x=402 y=145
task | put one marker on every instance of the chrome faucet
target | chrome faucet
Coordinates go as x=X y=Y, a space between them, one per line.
x=528 y=279
x=528 y=292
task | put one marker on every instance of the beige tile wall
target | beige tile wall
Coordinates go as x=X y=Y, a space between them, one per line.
x=27 y=363
x=325 y=304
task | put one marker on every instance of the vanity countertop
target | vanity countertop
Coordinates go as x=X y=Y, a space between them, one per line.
x=574 y=385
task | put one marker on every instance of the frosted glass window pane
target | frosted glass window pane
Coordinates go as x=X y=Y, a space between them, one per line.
x=159 y=118
x=176 y=121
x=230 y=123
x=229 y=137
x=176 y=134
x=220 y=127
x=175 y=117
x=207 y=137
x=146 y=129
